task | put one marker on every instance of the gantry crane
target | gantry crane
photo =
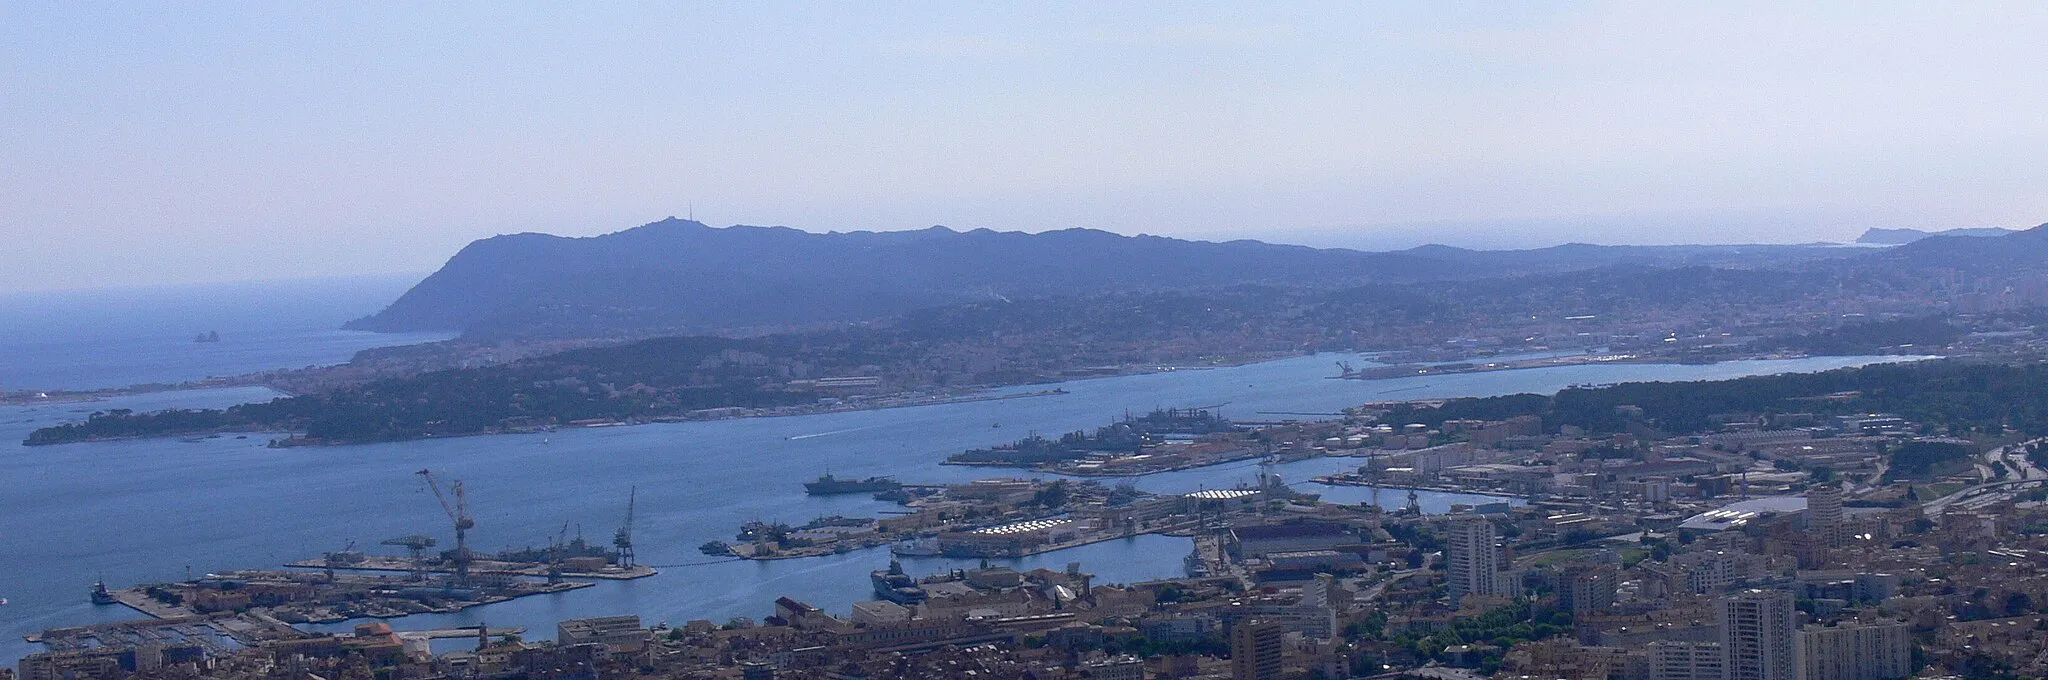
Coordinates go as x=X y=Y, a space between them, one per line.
x=624 y=539
x=415 y=545
x=458 y=512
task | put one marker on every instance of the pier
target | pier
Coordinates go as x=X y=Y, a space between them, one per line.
x=385 y=563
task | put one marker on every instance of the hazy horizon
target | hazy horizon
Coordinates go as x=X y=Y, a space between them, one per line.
x=247 y=142
x=1474 y=236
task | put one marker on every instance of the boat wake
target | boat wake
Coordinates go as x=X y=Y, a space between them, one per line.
x=828 y=434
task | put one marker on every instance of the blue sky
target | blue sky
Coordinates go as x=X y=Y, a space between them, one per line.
x=188 y=142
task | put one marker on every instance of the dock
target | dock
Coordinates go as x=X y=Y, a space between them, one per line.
x=1354 y=479
x=530 y=569
x=212 y=632
x=321 y=599
x=458 y=633
x=136 y=599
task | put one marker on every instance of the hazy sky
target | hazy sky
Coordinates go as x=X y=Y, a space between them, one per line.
x=177 y=142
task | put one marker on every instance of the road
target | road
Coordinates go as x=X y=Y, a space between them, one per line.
x=2023 y=474
x=1377 y=589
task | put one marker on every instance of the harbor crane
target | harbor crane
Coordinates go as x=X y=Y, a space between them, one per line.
x=346 y=556
x=458 y=512
x=557 y=547
x=624 y=539
x=415 y=545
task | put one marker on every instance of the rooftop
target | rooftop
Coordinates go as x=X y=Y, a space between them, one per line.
x=1024 y=527
x=1735 y=515
x=1277 y=531
x=1222 y=494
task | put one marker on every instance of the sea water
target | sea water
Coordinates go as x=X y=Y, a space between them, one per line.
x=115 y=338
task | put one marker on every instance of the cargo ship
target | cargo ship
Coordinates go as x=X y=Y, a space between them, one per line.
x=828 y=485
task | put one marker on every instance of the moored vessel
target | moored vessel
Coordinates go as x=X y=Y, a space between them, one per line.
x=828 y=485
x=100 y=594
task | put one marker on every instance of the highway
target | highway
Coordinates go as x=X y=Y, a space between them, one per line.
x=1990 y=489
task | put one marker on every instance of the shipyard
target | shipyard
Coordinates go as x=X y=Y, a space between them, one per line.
x=997 y=518
x=1559 y=527
x=214 y=614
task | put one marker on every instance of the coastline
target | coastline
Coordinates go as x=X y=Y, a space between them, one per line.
x=877 y=402
x=887 y=401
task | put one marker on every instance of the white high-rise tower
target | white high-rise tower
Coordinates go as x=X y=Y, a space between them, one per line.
x=1824 y=513
x=1758 y=635
x=1472 y=554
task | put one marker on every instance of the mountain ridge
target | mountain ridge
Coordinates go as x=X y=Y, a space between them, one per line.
x=680 y=275
x=676 y=276
x=1892 y=237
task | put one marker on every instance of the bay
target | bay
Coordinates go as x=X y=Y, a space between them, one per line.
x=149 y=510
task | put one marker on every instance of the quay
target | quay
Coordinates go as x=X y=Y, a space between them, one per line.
x=1353 y=479
x=458 y=633
x=136 y=599
x=292 y=597
x=532 y=569
x=210 y=632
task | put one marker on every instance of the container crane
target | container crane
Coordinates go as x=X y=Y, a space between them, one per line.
x=458 y=512
x=624 y=539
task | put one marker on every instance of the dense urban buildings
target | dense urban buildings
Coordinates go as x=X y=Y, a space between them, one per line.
x=1761 y=546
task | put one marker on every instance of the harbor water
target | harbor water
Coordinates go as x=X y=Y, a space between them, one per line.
x=157 y=510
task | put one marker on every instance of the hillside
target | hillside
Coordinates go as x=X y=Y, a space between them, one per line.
x=1581 y=256
x=2013 y=255
x=1893 y=237
x=679 y=276
x=979 y=344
